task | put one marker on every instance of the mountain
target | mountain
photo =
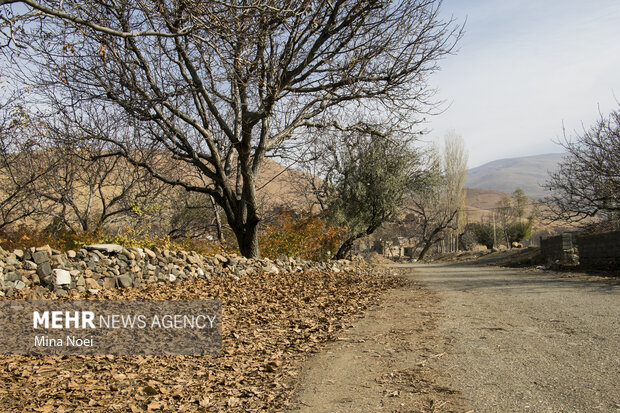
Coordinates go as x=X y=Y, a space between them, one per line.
x=528 y=173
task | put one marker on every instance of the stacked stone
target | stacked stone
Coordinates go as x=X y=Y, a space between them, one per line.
x=112 y=266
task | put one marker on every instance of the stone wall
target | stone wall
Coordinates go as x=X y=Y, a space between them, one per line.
x=600 y=250
x=559 y=248
x=105 y=266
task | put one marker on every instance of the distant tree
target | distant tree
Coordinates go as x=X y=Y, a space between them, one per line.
x=518 y=231
x=484 y=233
x=455 y=161
x=520 y=203
x=504 y=215
x=587 y=182
x=514 y=223
x=221 y=85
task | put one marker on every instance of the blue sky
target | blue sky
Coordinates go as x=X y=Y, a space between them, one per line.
x=524 y=71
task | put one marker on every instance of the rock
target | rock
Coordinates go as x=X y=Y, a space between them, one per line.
x=125 y=281
x=220 y=258
x=172 y=278
x=271 y=269
x=95 y=254
x=60 y=291
x=13 y=276
x=62 y=277
x=109 y=283
x=93 y=291
x=91 y=284
x=19 y=285
x=19 y=254
x=46 y=248
x=58 y=261
x=80 y=282
x=109 y=248
x=30 y=265
x=28 y=254
x=150 y=253
x=192 y=259
x=92 y=263
x=44 y=269
x=47 y=281
x=40 y=257
x=71 y=254
x=138 y=252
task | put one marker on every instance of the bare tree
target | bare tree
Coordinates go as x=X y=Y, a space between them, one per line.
x=587 y=182
x=86 y=188
x=428 y=213
x=220 y=85
x=436 y=208
x=20 y=166
x=188 y=213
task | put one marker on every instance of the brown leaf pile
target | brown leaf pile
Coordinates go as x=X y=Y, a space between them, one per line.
x=271 y=322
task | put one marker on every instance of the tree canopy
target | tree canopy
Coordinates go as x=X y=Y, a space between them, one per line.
x=221 y=85
x=587 y=181
x=373 y=177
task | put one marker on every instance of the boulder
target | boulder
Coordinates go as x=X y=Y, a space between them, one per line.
x=44 y=269
x=109 y=248
x=30 y=265
x=62 y=277
x=125 y=281
x=40 y=257
x=91 y=284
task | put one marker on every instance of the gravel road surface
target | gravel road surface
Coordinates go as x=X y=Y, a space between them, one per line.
x=527 y=340
x=473 y=338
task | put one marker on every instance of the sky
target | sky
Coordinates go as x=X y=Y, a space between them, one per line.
x=525 y=71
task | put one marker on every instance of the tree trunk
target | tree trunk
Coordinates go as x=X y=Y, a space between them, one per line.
x=345 y=248
x=247 y=238
x=427 y=246
x=218 y=222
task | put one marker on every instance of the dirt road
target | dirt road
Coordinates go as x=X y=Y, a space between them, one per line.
x=477 y=338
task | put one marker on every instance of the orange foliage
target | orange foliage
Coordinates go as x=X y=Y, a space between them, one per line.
x=309 y=238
